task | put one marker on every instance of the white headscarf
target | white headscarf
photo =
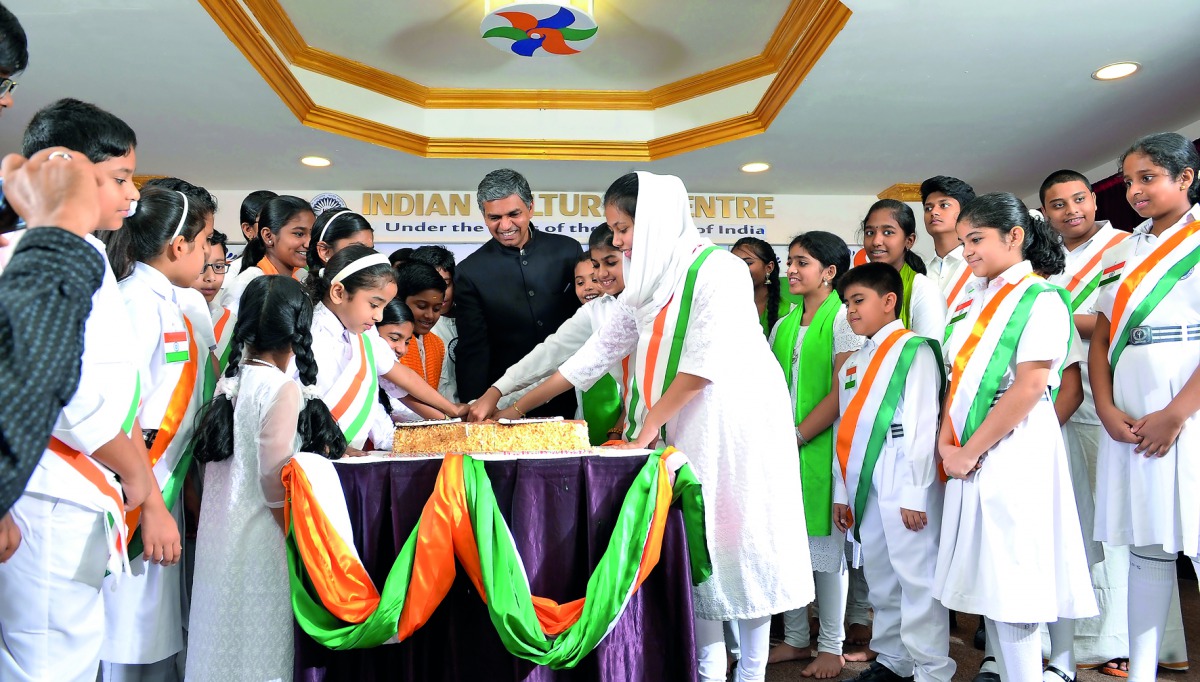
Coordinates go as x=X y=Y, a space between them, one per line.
x=665 y=242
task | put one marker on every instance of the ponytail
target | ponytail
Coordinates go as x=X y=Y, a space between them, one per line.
x=1003 y=211
x=162 y=215
x=319 y=431
x=914 y=261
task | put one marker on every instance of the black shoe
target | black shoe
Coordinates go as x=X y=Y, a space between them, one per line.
x=1060 y=673
x=987 y=677
x=879 y=672
x=981 y=636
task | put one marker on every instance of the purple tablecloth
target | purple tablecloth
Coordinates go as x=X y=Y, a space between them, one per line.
x=561 y=512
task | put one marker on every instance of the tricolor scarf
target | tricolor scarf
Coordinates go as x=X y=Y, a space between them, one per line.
x=868 y=417
x=171 y=454
x=337 y=602
x=354 y=393
x=1143 y=285
x=959 y=282
x=1086 y=279
x=658 y=353
x=983 y=348
x=813 y=383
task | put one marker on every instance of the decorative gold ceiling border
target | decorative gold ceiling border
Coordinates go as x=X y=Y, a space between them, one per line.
x=902 y=191
x=814 y=24
x=280 y=29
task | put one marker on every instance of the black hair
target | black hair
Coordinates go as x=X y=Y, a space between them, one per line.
x=196 y=194
x=14 y=47
x=367 y=278
x=253 y=203
x=218 y=238
x=1170 y=151
x=400 y=255
x=437 y=256
x=585 y=256
x=274 y=315
x=623 y=194
x=84 y=127
x=601 y=237
x=764 y=252
x=395 y=311
x=1057 y=178
x=881 y=278
x=952 y=187
x=413 y=277
x=904 y=217
x=146 y=233
x=828 y=249
x=335 y=224
x=274 y=215
x=1003 y=211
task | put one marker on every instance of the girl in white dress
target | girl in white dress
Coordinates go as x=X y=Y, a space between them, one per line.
x=241 y=620
x=1011 y=548
x=889 y=232
x=280 y=247
x=725 y=407
x=811 y=343
x=1143 y=361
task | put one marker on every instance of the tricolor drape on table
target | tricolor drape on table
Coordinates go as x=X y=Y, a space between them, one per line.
x=337 y=604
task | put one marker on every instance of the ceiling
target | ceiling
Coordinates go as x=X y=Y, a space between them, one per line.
x=998 y=94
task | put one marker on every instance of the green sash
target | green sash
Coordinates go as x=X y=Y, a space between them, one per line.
x=814 y=381
x=1147 y=305
x=602 y=408
x=784 y=308
x=907 y=275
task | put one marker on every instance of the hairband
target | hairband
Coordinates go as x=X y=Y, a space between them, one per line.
x=360 y=264
x=182 y=218
x=325 y=229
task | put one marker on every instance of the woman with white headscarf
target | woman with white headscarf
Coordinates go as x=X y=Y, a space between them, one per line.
x=705 y=381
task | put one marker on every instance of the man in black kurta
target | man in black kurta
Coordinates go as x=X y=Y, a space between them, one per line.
x=513 y=292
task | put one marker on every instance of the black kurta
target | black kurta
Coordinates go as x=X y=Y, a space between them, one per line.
x=507 y=301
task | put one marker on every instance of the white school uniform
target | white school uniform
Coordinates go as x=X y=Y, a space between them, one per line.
x=947 y=271
x=1011 y=547
x=1152 y=500
x=911 y=628
x=51 y=611
x=447 y=330
x=142 y=611
x=331 y=347
x=398 y=410
x=927 y=308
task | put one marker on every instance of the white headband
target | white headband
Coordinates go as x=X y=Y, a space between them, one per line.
x=335 y=217
x=182 y=218
x=360 y=264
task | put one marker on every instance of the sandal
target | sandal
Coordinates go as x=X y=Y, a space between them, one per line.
x=1113 y=668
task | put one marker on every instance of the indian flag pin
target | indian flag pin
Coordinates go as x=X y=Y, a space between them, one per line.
x=175 y=347
x=851 y=377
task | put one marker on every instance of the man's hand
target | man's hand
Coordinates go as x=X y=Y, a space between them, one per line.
x=10 y=537
x=485 y=406
x=55 y=187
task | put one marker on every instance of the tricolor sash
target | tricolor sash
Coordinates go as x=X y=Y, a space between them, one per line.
x=355 y=391
x=814 y=382
x=95 y=486
x=1087 y=279
x=657 y=356
x=171 y=454
x=1148 y=282
x=868 y=417
x=982 y=350
x=223 y=330
x=960 y=279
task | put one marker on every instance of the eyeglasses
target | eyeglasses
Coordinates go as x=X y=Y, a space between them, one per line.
x=6 y=86
x=219 y=268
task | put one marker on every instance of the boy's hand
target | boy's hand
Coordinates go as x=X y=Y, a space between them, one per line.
x=914 y=520
x=10 y=537
x=1157 y=431
x=55 y=187
x=160 y=535
x=136 y=489
x=1118 y=425
x=842 y=518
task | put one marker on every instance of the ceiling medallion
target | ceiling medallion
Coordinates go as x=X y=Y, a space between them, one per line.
x=539 y=29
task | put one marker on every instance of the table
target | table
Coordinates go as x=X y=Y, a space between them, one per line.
x=561 y=512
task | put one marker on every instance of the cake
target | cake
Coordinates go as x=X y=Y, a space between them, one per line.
x=523 y=435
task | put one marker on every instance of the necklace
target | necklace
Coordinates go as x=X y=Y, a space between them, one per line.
x=263 y=363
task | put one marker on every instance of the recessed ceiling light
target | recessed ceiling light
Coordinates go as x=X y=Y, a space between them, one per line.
x=756 y=167
x=315 y=161
x=1116 y=71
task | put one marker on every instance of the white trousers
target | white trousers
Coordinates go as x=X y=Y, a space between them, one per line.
x=831 y=602
x=911 y=632
x=754 y=638
x=858 y=605
x=51 y=610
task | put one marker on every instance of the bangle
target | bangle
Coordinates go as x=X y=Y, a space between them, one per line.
x=519 y=410
x=800 y=437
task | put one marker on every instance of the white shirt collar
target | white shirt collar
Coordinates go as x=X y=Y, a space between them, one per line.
x=1012 y=275
x=154 y=280
x=1101 y=226
x=1192 y=215
x=872 y=342
x=325 y=320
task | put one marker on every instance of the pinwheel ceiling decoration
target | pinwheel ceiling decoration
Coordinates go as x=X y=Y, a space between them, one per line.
x=539 y=29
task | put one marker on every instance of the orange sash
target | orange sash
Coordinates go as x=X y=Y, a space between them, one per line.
x=435 y=355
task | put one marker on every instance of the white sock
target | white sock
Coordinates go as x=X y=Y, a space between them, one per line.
x=1021 y=652
x=1150 y=582
x=1062 y=648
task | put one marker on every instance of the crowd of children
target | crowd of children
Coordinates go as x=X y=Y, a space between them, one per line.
x=1006 y=430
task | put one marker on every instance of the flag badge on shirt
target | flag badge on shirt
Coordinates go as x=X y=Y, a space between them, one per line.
x=1111 y=274
x=851 y=378
x=960 y=312
x=175 y=347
